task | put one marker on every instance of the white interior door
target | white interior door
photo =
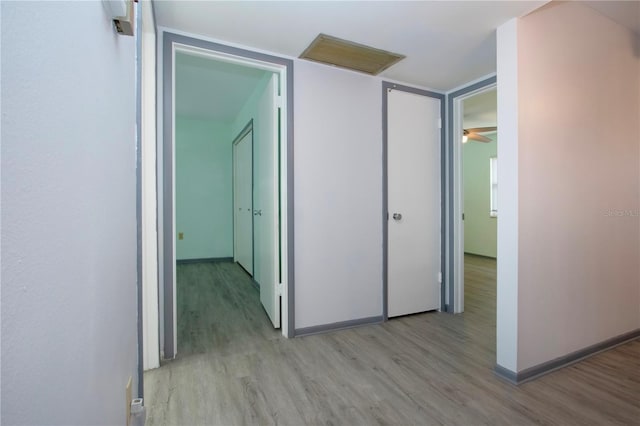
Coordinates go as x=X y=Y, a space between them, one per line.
x=266 y=217
x=242 y=200
x=414 y=231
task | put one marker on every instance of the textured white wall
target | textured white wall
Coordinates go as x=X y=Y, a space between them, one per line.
x=578 y=77
x=338 y=195
x=68 y=215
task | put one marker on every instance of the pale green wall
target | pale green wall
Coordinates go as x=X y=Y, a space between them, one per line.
x=204 y=193
x=250 y=109
x=480 y=230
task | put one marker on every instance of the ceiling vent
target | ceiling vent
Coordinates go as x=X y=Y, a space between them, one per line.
x=350 y=55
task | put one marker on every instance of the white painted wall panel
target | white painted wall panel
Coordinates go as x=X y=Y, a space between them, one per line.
x=507 y=267
x=338 y=195
x=579 y=180
x=69 y=317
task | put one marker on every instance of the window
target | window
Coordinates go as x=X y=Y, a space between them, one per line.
x=493 y=178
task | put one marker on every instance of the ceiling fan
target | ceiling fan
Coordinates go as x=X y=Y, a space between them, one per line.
x=474 y=134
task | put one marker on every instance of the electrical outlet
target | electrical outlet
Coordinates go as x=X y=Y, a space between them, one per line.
x=128 y=398
x=180 y=235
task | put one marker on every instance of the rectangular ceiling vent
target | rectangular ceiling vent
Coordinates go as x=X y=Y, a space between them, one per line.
x=347 y=54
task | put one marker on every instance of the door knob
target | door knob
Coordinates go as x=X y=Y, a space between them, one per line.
x=397 y=216
x=257 y=212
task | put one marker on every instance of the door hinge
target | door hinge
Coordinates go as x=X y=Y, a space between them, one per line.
x=279 y=101
x=440 y=277
x=439 y=123
x=280 y=289
x=462 y=216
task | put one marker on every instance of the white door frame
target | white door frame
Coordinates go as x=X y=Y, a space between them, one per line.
x=172 y=43
x=455 y=281
x=246 y=130
x=386 y=87
x=150 y=330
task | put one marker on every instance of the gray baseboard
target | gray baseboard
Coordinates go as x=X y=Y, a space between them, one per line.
x=204 y=260
x=325 y=328
x=506 y=374
x=536 y=371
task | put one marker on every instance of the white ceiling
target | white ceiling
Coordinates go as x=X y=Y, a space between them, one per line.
x=212 y=90
x=481 y=110
x=447 y=44
x=626 y=13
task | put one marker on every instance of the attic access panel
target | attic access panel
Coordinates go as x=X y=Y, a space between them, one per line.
x=347 y=54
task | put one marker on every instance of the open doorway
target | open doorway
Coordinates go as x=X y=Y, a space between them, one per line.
x=473 y=187
x=226 y=198
x=214 y=97
x=480 y=211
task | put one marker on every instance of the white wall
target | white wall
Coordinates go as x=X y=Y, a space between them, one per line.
x=577 y=78
x=204 y=193
x=69 y=317
x=507 y=267
x=338 y=195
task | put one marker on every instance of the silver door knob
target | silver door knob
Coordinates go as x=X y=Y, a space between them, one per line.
x=257 y=212
x=397 y=216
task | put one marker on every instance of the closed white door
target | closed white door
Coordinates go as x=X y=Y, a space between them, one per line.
x=266 y=202
x=242 y=200
x=414 y=223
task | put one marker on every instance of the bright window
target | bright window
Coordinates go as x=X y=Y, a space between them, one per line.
x=493 y=177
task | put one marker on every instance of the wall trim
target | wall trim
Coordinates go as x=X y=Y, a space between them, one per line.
x=138 y=146
x=205 y=260
x=386 y=87
x=539 y=370
x=506 y=374
x=335 y=326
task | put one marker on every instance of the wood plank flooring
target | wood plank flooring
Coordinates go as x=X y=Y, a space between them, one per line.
x=219 y=310
x=426 y=369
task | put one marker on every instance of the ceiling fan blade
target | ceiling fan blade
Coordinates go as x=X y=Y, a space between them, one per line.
x=482 y=129
x=478 y=138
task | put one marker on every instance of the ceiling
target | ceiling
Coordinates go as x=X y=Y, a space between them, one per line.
x=447 y=44
x=212 y=90
x=626 y=13
x=481 y=110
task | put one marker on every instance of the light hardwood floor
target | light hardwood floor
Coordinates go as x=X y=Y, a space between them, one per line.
x=424 y=369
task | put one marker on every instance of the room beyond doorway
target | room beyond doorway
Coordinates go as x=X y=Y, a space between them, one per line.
x=479 y=172
x=213 y=102
x=276 y=76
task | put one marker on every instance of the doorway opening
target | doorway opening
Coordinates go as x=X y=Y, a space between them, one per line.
x=226 y=121
x=473 y=193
